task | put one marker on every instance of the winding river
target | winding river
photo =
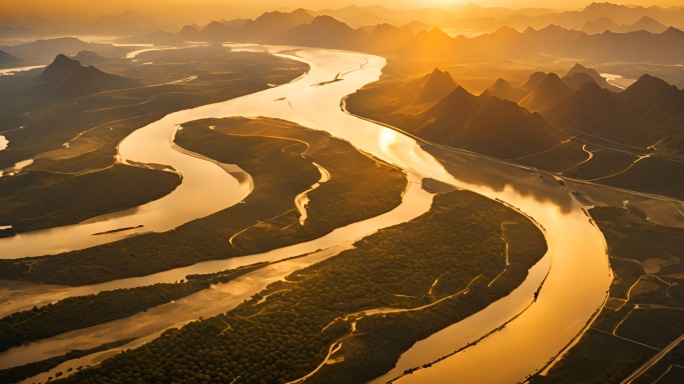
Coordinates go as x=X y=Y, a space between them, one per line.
x=575 y=272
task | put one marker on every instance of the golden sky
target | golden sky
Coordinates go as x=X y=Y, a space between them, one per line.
x=92 y=8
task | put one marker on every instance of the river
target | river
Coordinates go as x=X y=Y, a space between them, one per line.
x=576 y=266
x=12 y=71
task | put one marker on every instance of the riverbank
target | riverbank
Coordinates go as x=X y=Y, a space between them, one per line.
x=644 y=312
x=361 y=187
x=76 y=171
x=374 y=275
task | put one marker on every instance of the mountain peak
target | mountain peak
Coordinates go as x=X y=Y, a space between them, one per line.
x=88 y=58
x=533 y=81
x=61 y=66
x=61 y=59
x=552 y=82
x=300 y=12
x=436 y=85
x=648 y=84
x=460 y=93
x=673 y=31
x=505 y=91
x=66 y=78
x=507 y=30
x=325 y=19
x=549 y=89
x=578 y=68
x=579 y=75
x=189 y=29
x=438 y=33
x=7 y=60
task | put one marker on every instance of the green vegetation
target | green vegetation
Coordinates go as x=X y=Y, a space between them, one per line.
x=669 y=370
x=84 y=311
x=69 y=183
x=505 y=130
x=603 y=163
x=557 y=159
x=279 y=157
x=70 y=200
x=645 y=311
x=653 y=175
x=16 y=374
x=445 y=260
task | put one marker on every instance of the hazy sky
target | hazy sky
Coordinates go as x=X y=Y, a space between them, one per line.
x=241 y=8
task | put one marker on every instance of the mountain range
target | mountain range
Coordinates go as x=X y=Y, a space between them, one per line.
x=8 y=61
x=44 y=51
x=435 y=108
x=66 y=78
x=603 y=24
x=617 y=18
x=301 y=28
x=508 y=121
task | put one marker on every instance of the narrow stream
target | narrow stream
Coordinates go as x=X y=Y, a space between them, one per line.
x=302 y=200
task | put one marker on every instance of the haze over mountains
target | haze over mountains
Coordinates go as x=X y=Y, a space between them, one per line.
x=183 y=135
x=542 y=112
x=466 y=19
x=434 y=107
x=8 y=61
x=635 y=136
x=301 y=28
x=66 y=78
x=43 y=51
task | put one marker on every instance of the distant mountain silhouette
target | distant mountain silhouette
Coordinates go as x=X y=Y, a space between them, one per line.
x=627 y=15
x=649 y=111
x=387 y=37
x=647 y=24
x=126 y=23
x=600 y=25
x=189 y=32
x=632 y=46
x=356 y=16
x=9 y=32
x=605 y=24
x=271 y=25
x=551 y=35
x=66 y=78
x=88 y=58
x=434 y=86
x=8 y=61
x=485 y=123
x=216 y=31
x=549 y=89
x=302 y=27
x=505 y=91
x=579 y=75
x=429 y=42
x=577 y=80
x=44 y=51
x=322 y=31
x=533 y=81
x=418 y=26
x=409 y=97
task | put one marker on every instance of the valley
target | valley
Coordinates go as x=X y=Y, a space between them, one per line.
x=342 y=195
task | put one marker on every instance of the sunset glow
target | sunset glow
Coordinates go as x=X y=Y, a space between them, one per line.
x=341 y=191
